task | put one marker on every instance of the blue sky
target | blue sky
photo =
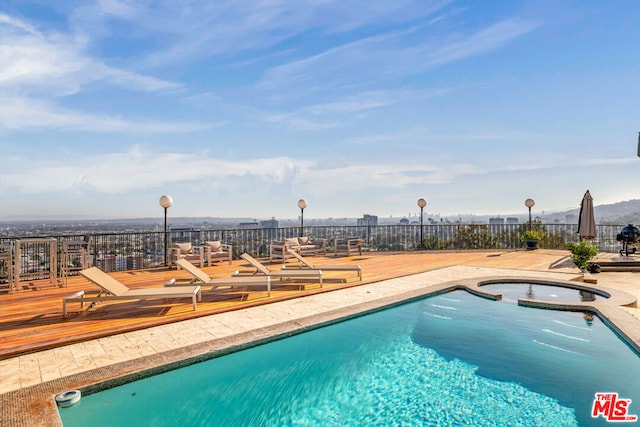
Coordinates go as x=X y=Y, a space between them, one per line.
x=240 y=108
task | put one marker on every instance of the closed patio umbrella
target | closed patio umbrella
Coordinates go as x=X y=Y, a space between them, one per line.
x=586 y=219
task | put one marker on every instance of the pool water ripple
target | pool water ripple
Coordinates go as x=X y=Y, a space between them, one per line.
x=410 y=384
x=487 y=363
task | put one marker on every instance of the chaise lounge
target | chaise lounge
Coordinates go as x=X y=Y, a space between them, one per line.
x=259 y=268
x=203 y=279
x=304 y=264
x=111 y=290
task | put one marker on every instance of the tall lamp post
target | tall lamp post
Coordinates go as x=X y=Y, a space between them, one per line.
x=529 y=203
x=421 y=204
x=302 y=203
x=165 y=202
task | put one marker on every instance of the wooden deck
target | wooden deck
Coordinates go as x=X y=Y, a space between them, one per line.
x=31 y=319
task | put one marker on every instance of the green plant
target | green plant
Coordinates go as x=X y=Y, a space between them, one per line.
x=530 y=235
x=582 y=253
x=474 y=236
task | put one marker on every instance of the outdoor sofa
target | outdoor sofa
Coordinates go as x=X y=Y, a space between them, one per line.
x=279 y=249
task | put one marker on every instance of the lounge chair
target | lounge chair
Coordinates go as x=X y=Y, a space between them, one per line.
x=201 y=278
x=304 y=264
x=215 y=251
x=259 y=268
x=111 y=289
x=348 y=245
x=187 y=251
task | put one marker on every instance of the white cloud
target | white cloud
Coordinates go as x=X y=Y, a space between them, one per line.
x=145 y=170
x=28 y=113
x=294 y=121
x=118 y=8
x=196 y=30
x=149 y=169
x=385 y=57
x=18 y=24
x=357 y=103
x=57 y=64
x=351 y=78
x=485 y=40
x=37 y=69
x=393 y=137
x=114 y=173
x=331 y=114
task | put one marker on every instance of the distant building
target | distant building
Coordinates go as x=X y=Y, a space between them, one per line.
x=135 y=262
x=121 y=262
x=404 y=221
x=269 y=223
x=247 y=225
x=496 y=220
x=512 y=220
x=106 y=262
x=181 y=234
x=367 y=220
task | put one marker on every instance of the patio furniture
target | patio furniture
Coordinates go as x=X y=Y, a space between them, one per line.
x=35 y=258
x=203 y=279
x=348 y=245
x=6 y=267
x=259 y=268
x=311 y=245
x=113 y=290
x=187 y=251
x=304 y=264
x=74 y=257
x=279 y=249
x=216 y=251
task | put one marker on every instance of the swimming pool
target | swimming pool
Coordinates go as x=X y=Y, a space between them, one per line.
x=452 y=359
x=539 y=291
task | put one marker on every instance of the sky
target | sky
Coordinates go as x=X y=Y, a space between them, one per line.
x=241 y=108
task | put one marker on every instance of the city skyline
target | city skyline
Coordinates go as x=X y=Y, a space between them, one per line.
x=240 y=109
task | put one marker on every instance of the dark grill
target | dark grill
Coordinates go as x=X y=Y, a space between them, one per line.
x=628 y=236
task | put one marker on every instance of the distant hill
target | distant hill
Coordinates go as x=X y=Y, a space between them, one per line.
x=620 y=213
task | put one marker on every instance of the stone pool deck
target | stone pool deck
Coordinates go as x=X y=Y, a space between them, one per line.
x=27 y=397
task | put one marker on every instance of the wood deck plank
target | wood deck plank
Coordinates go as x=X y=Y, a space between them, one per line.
x=31 y=320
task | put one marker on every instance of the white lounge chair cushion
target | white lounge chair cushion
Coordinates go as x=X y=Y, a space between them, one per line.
x=214 y=246
x=185 y=248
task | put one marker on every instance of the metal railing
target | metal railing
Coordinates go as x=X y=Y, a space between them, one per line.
x=140 y=249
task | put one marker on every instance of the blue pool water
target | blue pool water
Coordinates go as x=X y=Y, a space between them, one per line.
x=453 y=359
x=515 y=291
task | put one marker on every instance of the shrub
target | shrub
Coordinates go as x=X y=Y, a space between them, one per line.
x=582 y=253
x=530 y=235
